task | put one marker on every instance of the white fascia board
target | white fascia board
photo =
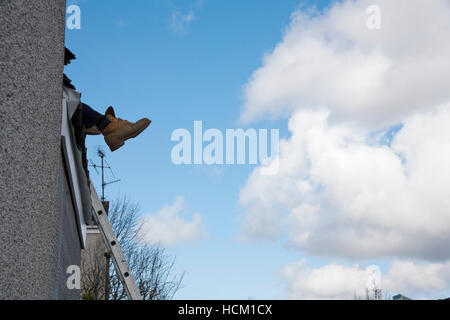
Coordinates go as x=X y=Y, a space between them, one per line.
x=73 y=166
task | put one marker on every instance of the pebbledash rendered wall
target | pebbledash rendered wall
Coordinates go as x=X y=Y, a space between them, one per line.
x=38 y=232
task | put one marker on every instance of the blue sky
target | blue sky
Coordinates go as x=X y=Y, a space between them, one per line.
x=180 y=61
x=131 y=57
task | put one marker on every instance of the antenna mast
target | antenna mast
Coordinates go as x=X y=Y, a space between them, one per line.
x=102 y=156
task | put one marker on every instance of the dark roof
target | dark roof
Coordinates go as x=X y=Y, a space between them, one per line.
x=69 y=55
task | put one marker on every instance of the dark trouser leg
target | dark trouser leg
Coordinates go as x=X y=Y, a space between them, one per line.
x=93 y=118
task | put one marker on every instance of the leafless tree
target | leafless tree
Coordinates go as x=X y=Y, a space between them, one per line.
x=151 y=266
x=374 y=294
x=94 y=271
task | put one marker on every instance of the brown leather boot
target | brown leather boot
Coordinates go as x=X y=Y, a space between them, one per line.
x=118 y=131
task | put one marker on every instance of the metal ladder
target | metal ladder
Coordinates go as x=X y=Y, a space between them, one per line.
x=120 y=263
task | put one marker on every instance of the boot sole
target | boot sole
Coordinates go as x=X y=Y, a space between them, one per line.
x=114 y=147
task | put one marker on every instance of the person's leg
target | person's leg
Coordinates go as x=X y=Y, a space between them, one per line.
x=93 y=118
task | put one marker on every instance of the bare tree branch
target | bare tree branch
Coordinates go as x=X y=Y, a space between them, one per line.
x=151 y=266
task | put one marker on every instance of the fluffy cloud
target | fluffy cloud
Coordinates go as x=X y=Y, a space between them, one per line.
x=421 y=280
x=365 y=172
x=332 y=281
x=351 y=184
x=334 y=61
x=169 y=228
x=336 y=281
x=344 y=193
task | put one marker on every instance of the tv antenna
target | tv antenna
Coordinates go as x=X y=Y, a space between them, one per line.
x=102 y=156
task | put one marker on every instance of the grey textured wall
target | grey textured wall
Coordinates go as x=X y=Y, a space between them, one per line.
x=68 y=248
x=31 y=66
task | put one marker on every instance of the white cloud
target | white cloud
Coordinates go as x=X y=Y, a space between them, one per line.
x=181 y=20
x=169 y=228
x=332 y=281
x=365 y=173
x=335 y=62
x=336 y=281
x=419 y=280
x=343 y=189
x=344 y=193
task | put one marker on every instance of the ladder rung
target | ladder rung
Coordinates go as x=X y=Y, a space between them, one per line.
x=113 y=246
